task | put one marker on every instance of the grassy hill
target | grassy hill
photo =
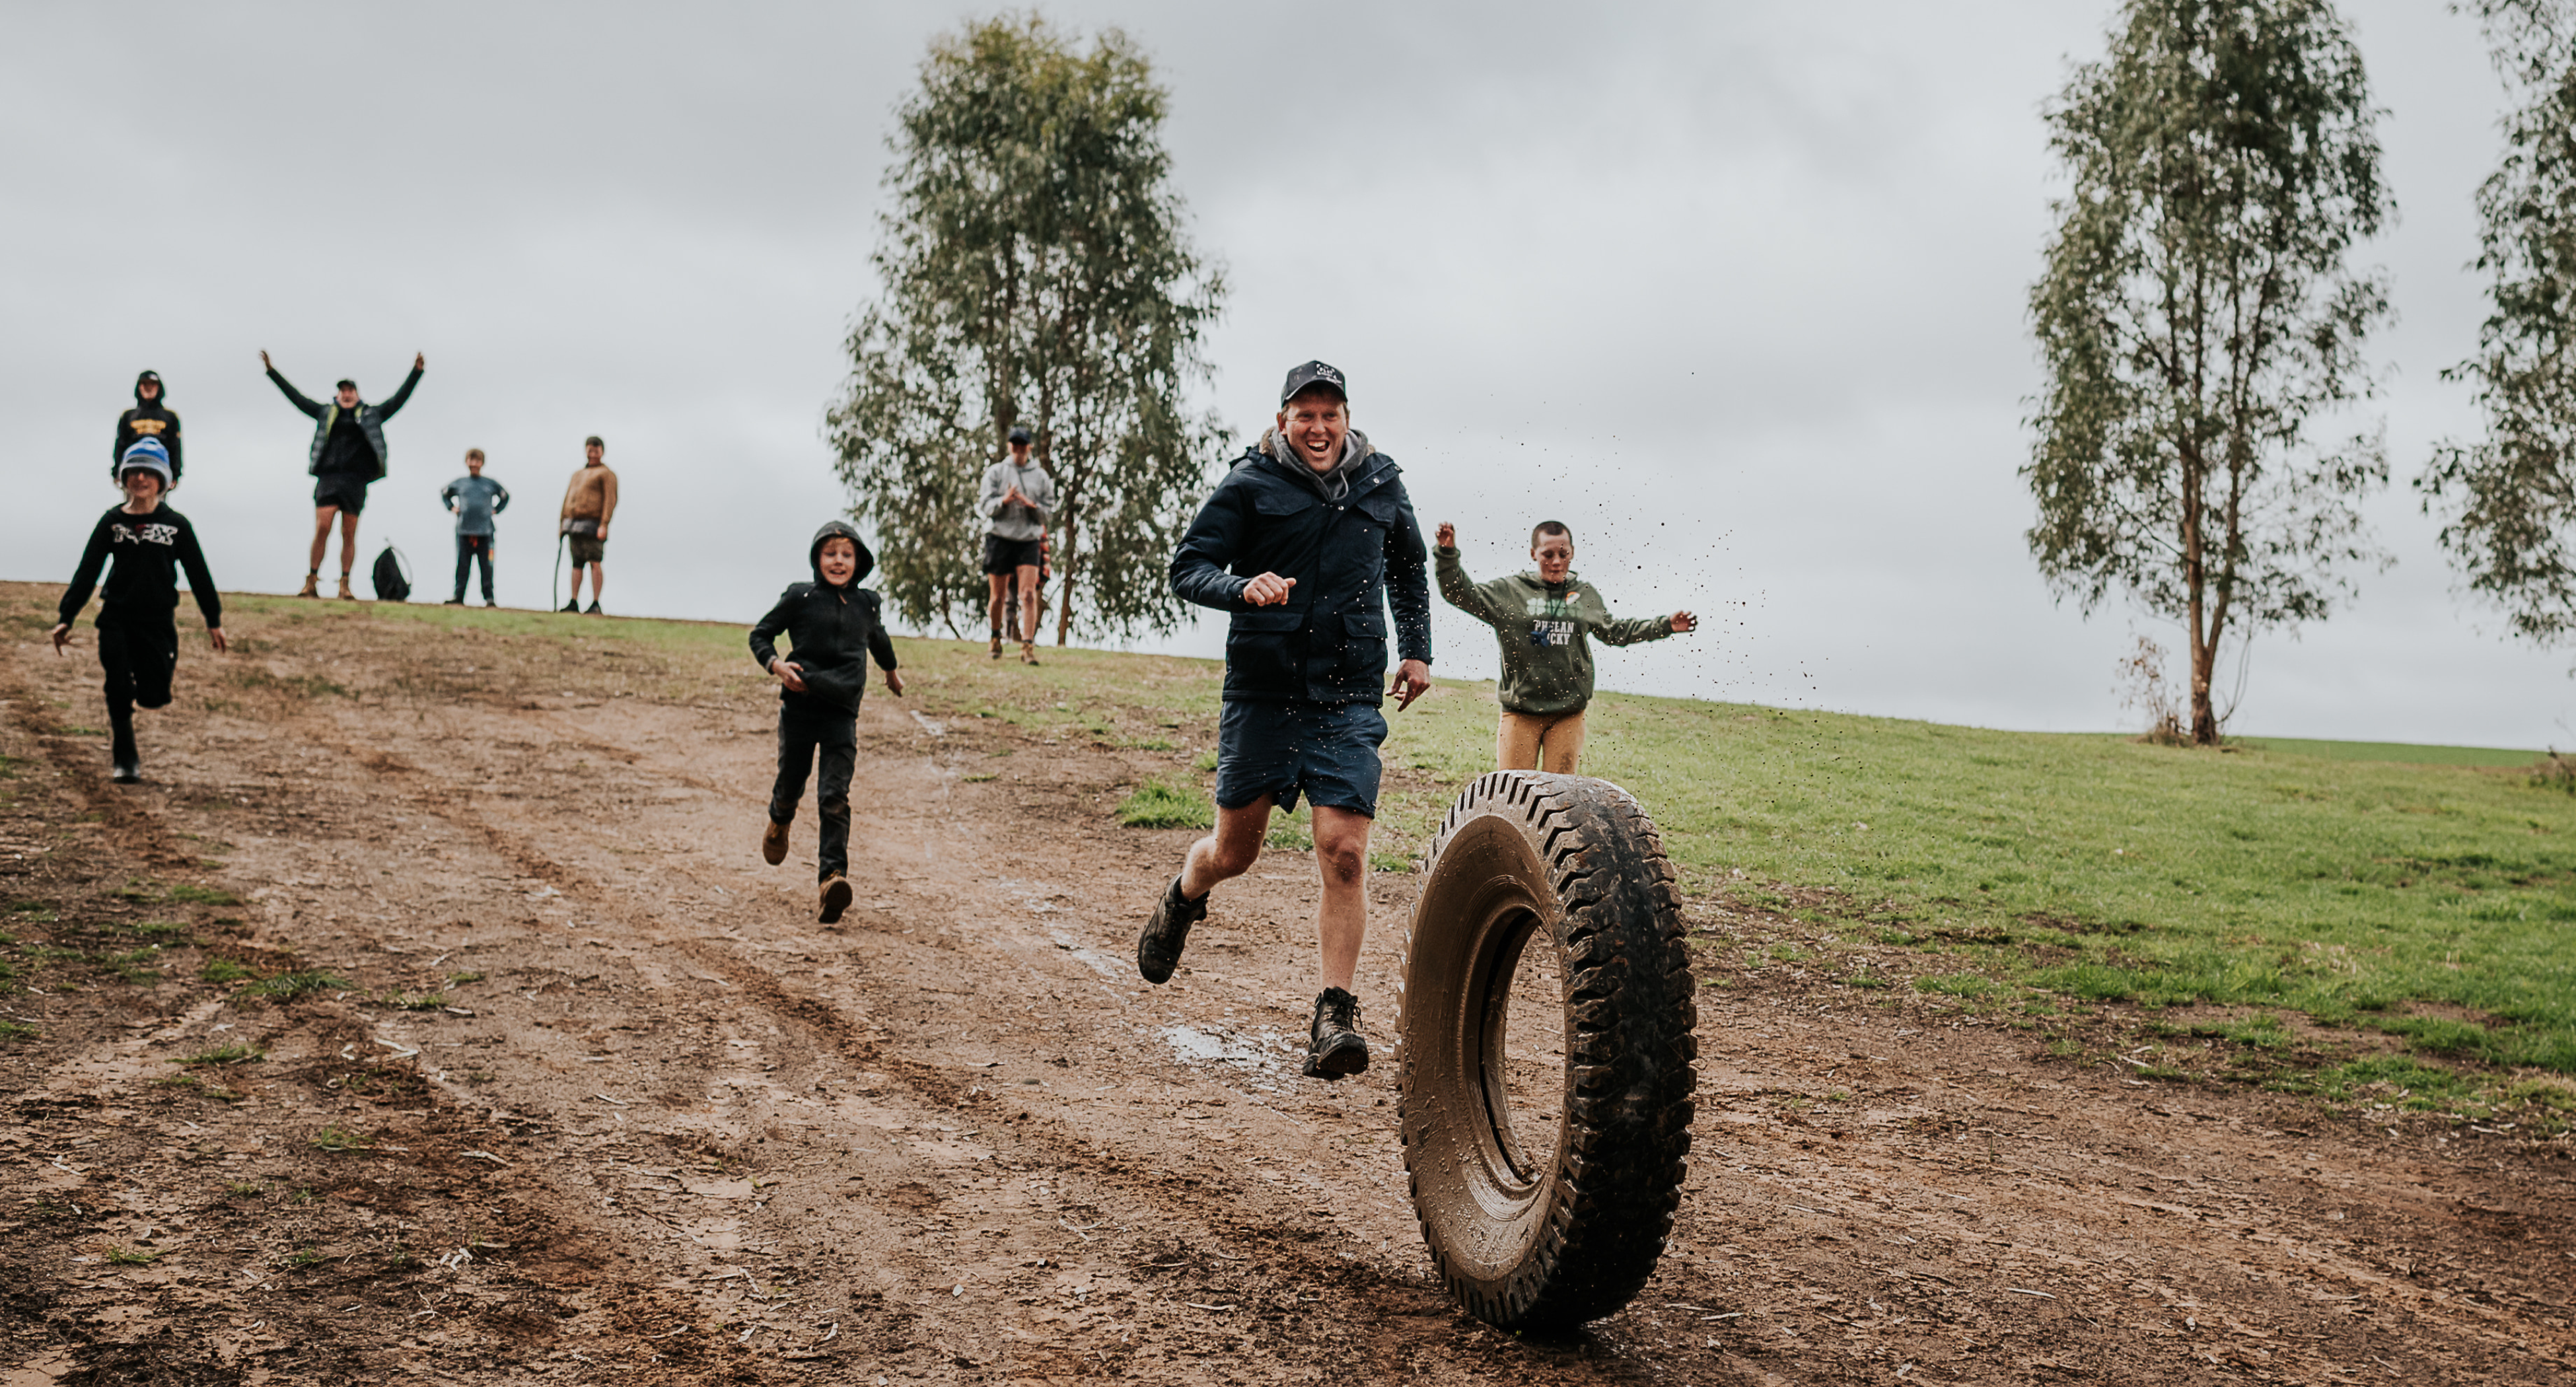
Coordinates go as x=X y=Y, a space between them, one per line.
x=2424 y=900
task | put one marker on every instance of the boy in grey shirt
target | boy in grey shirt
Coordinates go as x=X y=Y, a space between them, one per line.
x=1018 y=496
x=475 y=499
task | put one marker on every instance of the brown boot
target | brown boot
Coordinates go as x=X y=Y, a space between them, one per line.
x=1028 y=652
x=773 y=843
x=997 y=645
x=345 y=594
x=836 y=898
x=312 y=584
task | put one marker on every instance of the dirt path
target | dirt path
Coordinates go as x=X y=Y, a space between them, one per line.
x=676 y=1131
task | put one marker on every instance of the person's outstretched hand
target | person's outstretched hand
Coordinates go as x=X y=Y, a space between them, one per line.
x=1448 y=535
x=1684 y=623
x=1268 y=590
x=216 y=634
x=788 y=675
x=62 y=637
x=894 y=682
x=1412 y=681
x=419 y=362
x=263 y=360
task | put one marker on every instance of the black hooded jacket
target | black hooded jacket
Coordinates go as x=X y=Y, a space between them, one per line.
x=832 y=632
x=146 y=420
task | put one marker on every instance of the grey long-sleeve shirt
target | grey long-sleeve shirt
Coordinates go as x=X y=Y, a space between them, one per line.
x=1011 y=520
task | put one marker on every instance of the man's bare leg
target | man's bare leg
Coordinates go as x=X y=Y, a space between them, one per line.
x=348 y=544
x=598 y=582
x=1229 y=852
x=1341 y=914
x=1028 y=576
x=321 y=536
x=1000 y=584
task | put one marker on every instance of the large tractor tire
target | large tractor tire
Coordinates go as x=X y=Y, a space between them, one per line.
x=1547 y=1043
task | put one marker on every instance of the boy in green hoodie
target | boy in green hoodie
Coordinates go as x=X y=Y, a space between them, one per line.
x=1545 y=620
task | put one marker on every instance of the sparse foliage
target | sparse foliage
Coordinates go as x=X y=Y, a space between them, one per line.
x=2509 y=499
x=2197 y=319
x=2144 y=690
x=1034 y=272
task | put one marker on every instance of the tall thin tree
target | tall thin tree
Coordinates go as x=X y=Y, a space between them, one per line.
x=2197 y=318
x=1034 y=271
x=2509 y=500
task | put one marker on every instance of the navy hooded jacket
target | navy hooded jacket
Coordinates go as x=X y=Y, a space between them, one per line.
x=832 y=632
x=1351 y=558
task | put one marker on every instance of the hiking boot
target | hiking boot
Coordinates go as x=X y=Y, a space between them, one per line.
x=836 y=898
x=1158 y=949
x=129 y=770
x=1334 y=1045
x=312 y=585
x=997 y=645
x=1028 y=652
x=345 y=594
x=573 y=607
x=593 y=609
x=773 y=843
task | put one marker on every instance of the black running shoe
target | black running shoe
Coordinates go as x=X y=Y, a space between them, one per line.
x=1334 y=1045
x=129 y=770
x=573 y=607
x=594 y=607
x=1158 y=949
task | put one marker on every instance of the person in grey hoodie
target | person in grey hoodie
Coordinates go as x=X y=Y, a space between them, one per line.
x=1018 y=497
x=474 y=499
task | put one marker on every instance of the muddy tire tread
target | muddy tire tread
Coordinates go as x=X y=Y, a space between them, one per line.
x=1630 y=1080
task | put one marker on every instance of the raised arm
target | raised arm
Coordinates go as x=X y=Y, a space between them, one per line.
x=1199 y=565
x=295 y=397
x=390 y=407
x=1630 y=631
x=1460 y=591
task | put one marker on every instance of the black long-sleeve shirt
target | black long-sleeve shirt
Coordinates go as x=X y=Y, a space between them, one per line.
x=151 y=550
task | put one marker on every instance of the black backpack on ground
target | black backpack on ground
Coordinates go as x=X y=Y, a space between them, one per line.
x=392 y=584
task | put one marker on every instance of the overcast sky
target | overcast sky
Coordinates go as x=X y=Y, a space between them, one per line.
x=1735 y=290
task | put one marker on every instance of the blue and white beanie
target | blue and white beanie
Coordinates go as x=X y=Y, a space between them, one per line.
x=149 y=455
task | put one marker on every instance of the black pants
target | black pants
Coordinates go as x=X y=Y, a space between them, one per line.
x=139 y=654
x=470 y=549
x=803 y=738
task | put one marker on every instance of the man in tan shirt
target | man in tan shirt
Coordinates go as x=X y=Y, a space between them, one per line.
x=587 y=505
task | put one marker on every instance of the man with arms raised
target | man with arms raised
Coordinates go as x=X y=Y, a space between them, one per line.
x=1306 y=542
x=348 y=456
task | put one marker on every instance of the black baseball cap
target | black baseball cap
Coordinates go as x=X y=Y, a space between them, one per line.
x=346 y=385
x=1019 y=433
x=152 y=376
x=1311 y=374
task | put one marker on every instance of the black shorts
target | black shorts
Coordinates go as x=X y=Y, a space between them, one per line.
x=1002 y=556
x=347 y=490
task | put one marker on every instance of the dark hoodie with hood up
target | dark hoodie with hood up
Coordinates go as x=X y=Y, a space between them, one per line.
x=832 y=633
x=148 y=419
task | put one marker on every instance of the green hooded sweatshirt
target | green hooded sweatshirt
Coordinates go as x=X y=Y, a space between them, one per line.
x=1547 y=656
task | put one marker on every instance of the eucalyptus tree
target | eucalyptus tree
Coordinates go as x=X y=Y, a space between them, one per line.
x=1034 y=271
x=2509 y=499
x=2198 y=322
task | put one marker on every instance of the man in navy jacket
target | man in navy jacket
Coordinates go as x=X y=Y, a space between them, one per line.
x=1307 y=542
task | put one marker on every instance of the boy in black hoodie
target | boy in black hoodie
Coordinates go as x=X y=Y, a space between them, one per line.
x=138 y=643
x=150 y=418
x=833 y=629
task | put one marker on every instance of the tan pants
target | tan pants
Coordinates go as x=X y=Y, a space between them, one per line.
x=1519 y=741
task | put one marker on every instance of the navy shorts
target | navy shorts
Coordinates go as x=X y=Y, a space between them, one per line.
x=1326 y=751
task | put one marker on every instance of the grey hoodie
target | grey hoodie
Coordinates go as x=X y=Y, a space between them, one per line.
x=1332 y=485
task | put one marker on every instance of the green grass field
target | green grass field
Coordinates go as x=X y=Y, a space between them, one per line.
x=2424 y=892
